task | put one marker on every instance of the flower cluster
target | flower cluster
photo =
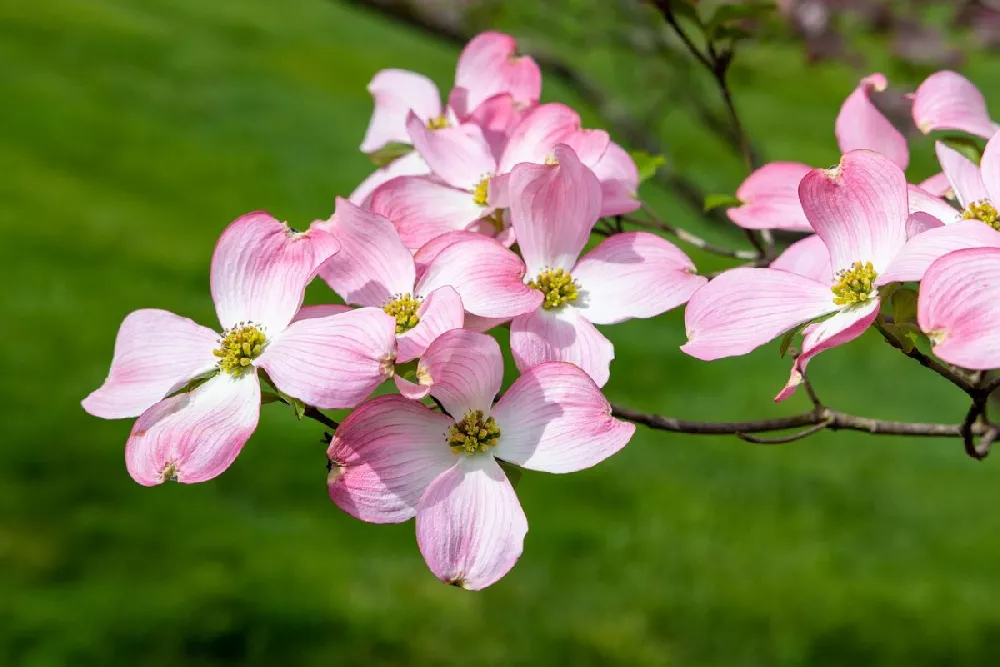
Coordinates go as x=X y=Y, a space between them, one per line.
x=481 y=220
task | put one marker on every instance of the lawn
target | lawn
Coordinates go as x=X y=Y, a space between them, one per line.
x=133 y=132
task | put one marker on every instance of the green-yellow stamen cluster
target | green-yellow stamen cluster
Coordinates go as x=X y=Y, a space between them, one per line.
x=239 y=347
x=481 y=194
x=557 y=286
x=404 y=309
x=854 y=285
x=438 y=123
x=984 y=212
x=475 y=433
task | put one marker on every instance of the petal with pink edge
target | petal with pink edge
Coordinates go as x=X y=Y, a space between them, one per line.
x=384 y=456
x=555 y=419
x=553 y=207
x=470 y=525
x=373 y=265
x=195 y=436
x=464 y=370
x=770 y=197
x=990 y=169
x=635 y=274
x=923 y=202
x=949 y=101
x=441 y=311
x=488 y=277
x=806 y=257
x=922 y=250
x=561 y=335
x=861 y=125
x=333 y=362
x=156 y=352
x=260 y=269
x=538 y=133
x=321 y=310
x=843 y=327
x=489 y=65
x=959 y=307
x=460 y=156
x=963 y=174
x=619 y=181
x=422 y=209
x=744 y=308
x=398 y=92
x=918 y=223
x=858 y=208
x=410 y=164
x=938 y=185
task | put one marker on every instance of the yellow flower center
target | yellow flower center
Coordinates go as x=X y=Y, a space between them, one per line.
x=557 y=286
x=404 y=309
x=437 y=123
x=239 y=347
x=854 y=285
x=983 y=211
x=481 y=193
x=474 y=434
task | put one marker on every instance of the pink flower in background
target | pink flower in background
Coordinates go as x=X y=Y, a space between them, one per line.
x=394 y=459
x=490 y=66
x=260 y=270
x=949 y=101
x=859 y=211
x=553 y=208
x=959 y=307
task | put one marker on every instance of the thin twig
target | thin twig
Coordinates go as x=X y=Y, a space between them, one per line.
x=783 y=439
x=656 y=223
x=314 y=413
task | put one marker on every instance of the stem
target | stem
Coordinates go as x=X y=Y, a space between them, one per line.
x=655 y=223
x=314 y=413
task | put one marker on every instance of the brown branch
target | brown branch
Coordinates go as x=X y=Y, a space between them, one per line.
x=315 y=414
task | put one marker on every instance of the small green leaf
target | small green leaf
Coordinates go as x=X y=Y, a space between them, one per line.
x=904 y=306
x=902 y=334
x=298 y=407
x=647 y=164
x=408 y=371
x=269 y=397
x=512 y=471
x=786 y=340
x=195 y=382
x=720 y=201
x=390 y=153
x=967 y=146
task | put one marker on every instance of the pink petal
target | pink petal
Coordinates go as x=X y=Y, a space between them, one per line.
x=460 y=156
x=861 y=125
x=408 y=165
x=412 y=390
x=561 y=335
x=428 y=252
x=555 y=419
x=496 y=117
x=959 y=307
x=260 y=270
x=333 y=362
x=918 y=223
x=921 y=201
x=619 y=181
x=488 y=277
x=922 y=250
x=589 y=145
x=422 y=209
x=937 y=185
x=470 y=525
x=464 y=370
x=441 y=311
x=373 y=265
x=194 y=436
x=384 y=456
x=843 y=327
x=807 y=257
x=156 y=352
x=321 y=310
x=949 y=101
x=990 y=169
x=538 y=133
x=744 y=308
x=770 y=197
x=963 y=174
x=858 y=208
x=398 y=92
x=636 y=274
x=553 y=207
x=489 y=65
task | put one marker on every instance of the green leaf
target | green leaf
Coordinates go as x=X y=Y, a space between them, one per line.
x=390 y=153
x=786 y=340
x=512 y=471
x=647 y=164
x=269 y=397
x=408 y=371
x=195 y=382
x=720 y=201
x=904 y=306
x=902 y=334
x=967 y=146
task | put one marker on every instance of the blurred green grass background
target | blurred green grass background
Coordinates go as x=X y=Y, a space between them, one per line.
x=131 y=133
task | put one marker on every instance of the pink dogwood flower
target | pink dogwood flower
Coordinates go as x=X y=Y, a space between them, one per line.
x=948 y=101
x=859 y=212
x=260 y=270
x=553 y=208
x=394 y=459
x=959 y=307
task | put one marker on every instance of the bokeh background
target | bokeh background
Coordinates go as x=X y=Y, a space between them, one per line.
x=133 y=131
